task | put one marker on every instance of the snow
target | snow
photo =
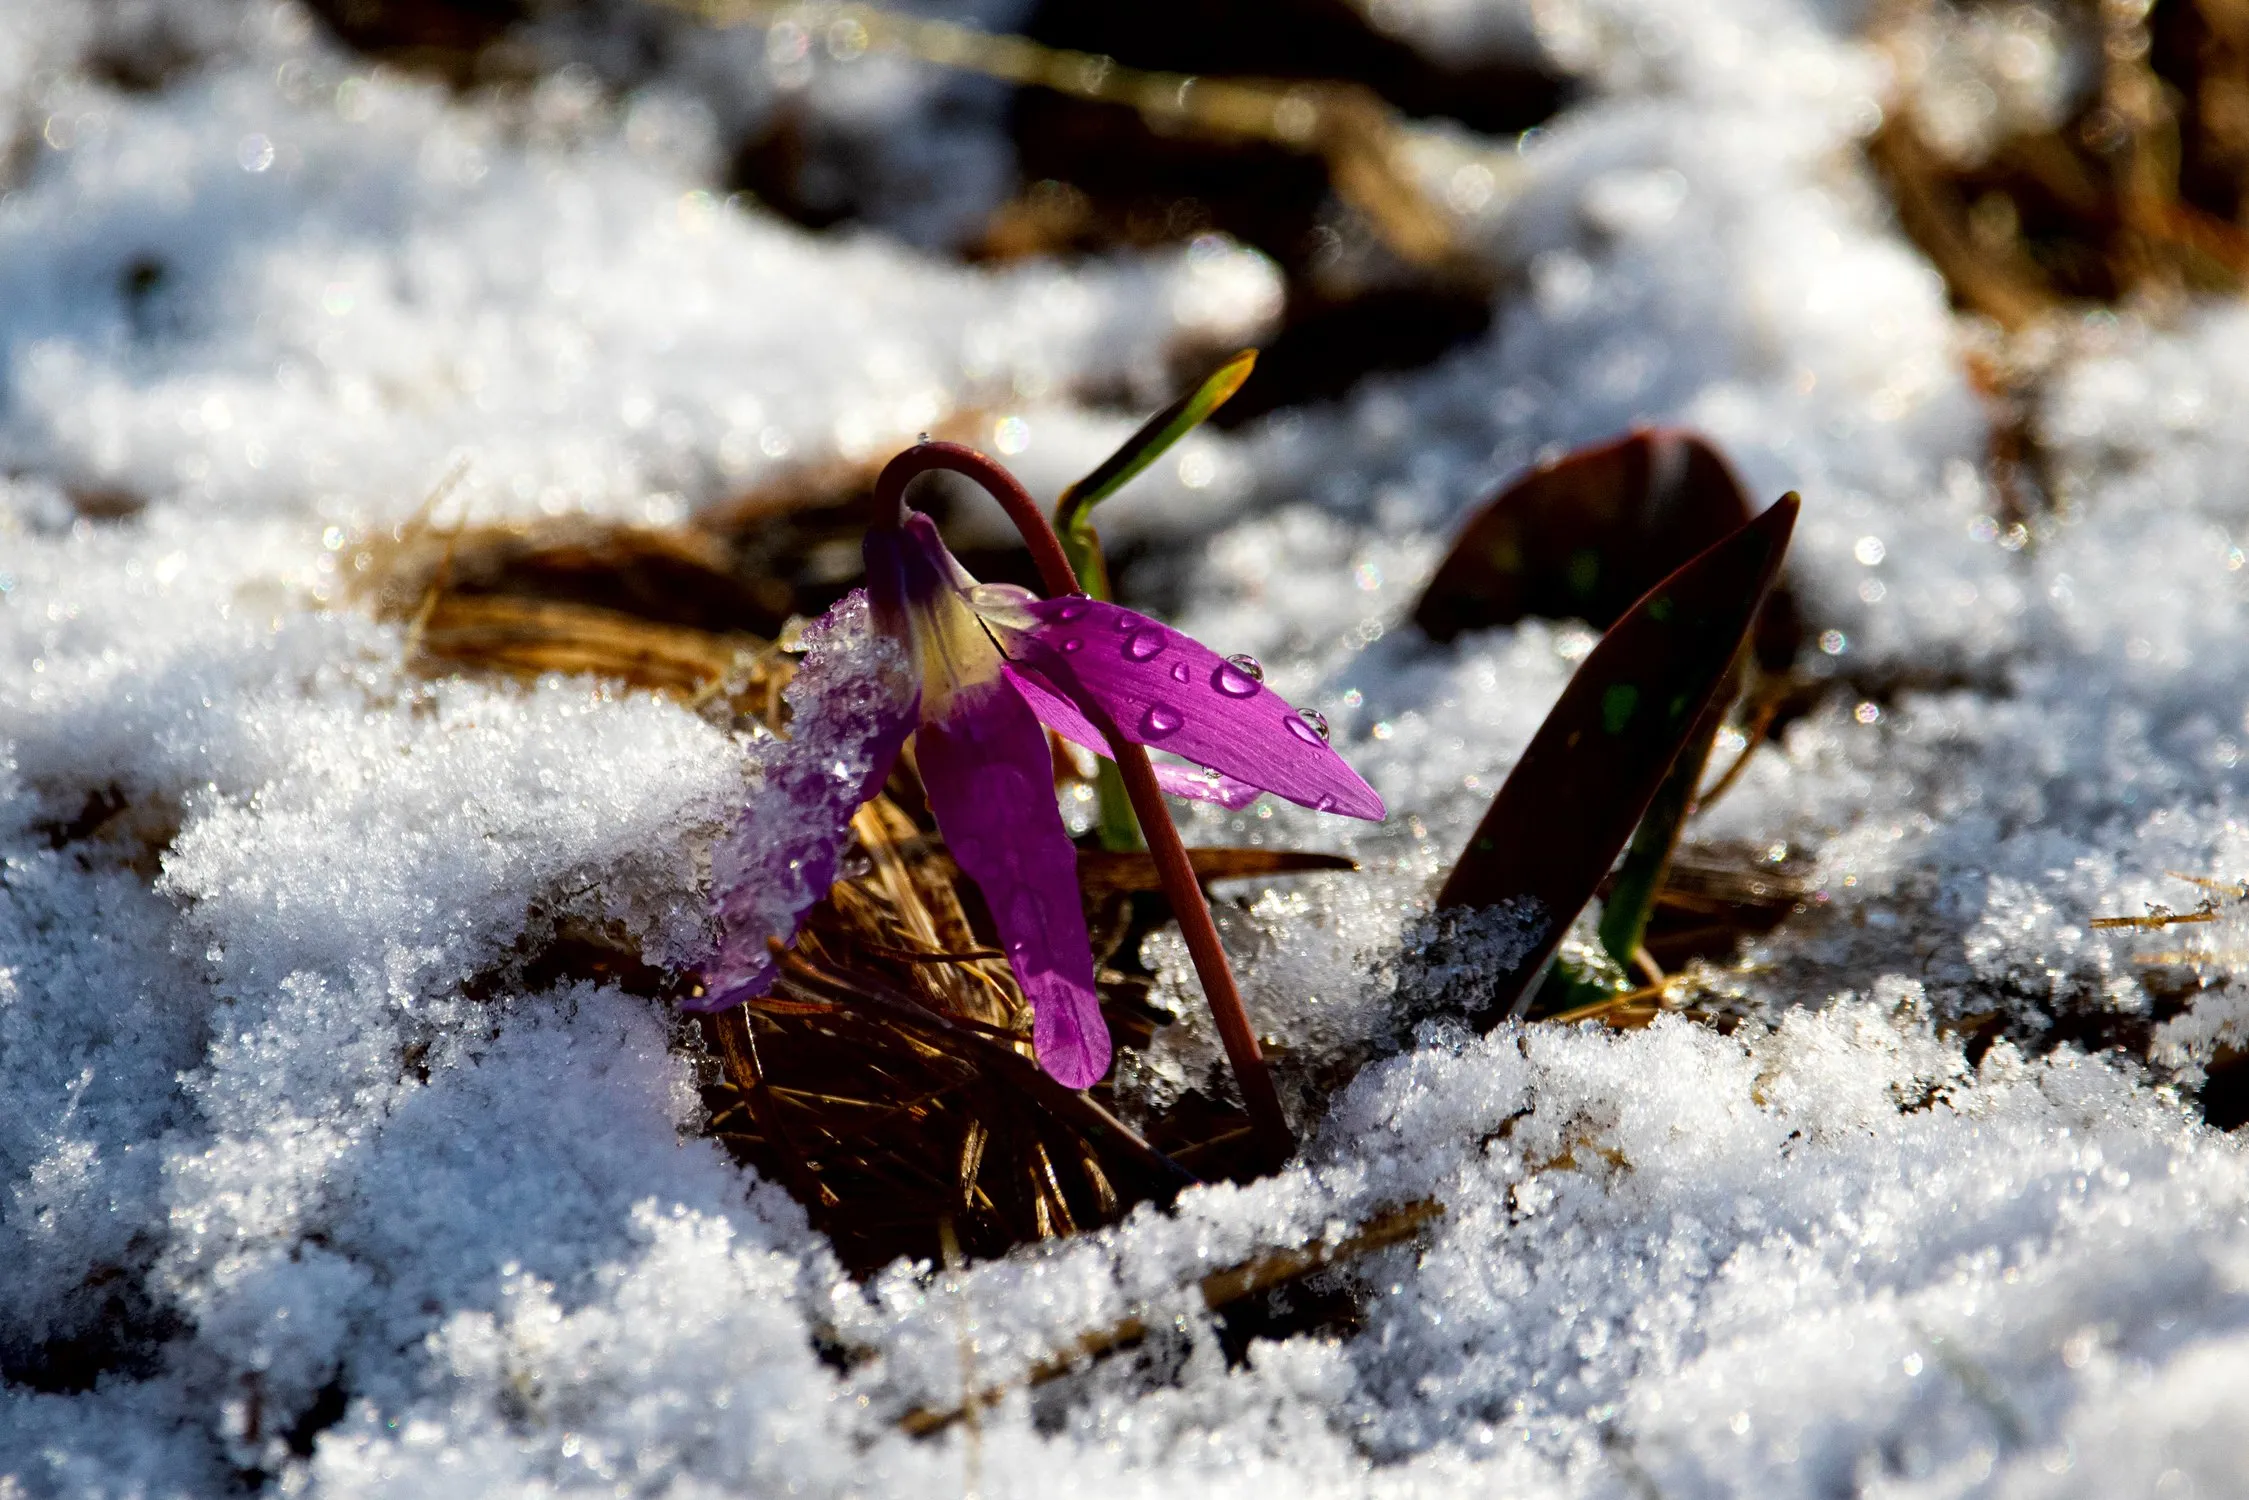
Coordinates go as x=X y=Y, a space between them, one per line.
x=290 y=1140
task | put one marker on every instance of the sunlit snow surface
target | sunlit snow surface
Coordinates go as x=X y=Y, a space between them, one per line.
x=261 y=1144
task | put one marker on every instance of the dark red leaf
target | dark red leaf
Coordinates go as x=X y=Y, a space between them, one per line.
x=1595 y=764
x=1583 y=537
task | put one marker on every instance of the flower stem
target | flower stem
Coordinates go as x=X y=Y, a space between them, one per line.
x=1632 y=898
x=1046 y=549
x=1172 y=865
x=1118 y=827
x=1273 y=1136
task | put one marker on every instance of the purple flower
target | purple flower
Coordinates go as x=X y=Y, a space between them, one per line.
x=987 y=665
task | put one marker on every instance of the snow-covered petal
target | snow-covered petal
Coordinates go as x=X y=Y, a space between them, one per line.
x=852 y=703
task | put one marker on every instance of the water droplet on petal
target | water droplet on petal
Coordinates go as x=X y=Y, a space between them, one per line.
x=1249 y=666
x=1144 y=643
x=1310 y=726
x=1073 y=644
x=999 y=597
x=1179 y=672
x=1326 y=803
x=1231 y=680
x=1072 y=609
x=1161 y=719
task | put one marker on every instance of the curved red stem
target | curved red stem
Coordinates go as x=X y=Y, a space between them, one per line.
x=1046 y=550
x=1172 y=864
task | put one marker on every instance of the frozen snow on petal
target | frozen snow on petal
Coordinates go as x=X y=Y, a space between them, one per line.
x=851 y=706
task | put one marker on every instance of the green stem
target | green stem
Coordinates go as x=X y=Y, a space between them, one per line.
x=1632 y=896
x=1115 y=826
x=1082 y=545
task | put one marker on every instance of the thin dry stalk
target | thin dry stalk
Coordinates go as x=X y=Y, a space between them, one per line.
x=533 y=637
x=1218 y=1289
x=1760 y=725
x=2158 y=916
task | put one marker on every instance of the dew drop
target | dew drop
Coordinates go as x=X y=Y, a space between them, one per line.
x=1310 y=726
x=1144 y=643
x=999 y=596
x=1161 y=719
x=1249 y=666
x=1232 y=680
x=1326 y=803
x=920 y=438
x=1072 y=609
x=1179 y=672
x=1073 y=644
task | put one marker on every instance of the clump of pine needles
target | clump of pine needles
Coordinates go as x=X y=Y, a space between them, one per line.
x=887 y=1077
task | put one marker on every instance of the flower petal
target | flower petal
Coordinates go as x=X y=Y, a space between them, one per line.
x=1064 y=718
x=853 y=702
x=1199 y=785
x=921 y=594
x=1057 y=712
x=991 y=784
x=1169 y=691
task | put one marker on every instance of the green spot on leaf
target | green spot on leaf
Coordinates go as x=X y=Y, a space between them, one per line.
x=1617 y=705
x=1584 y=571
